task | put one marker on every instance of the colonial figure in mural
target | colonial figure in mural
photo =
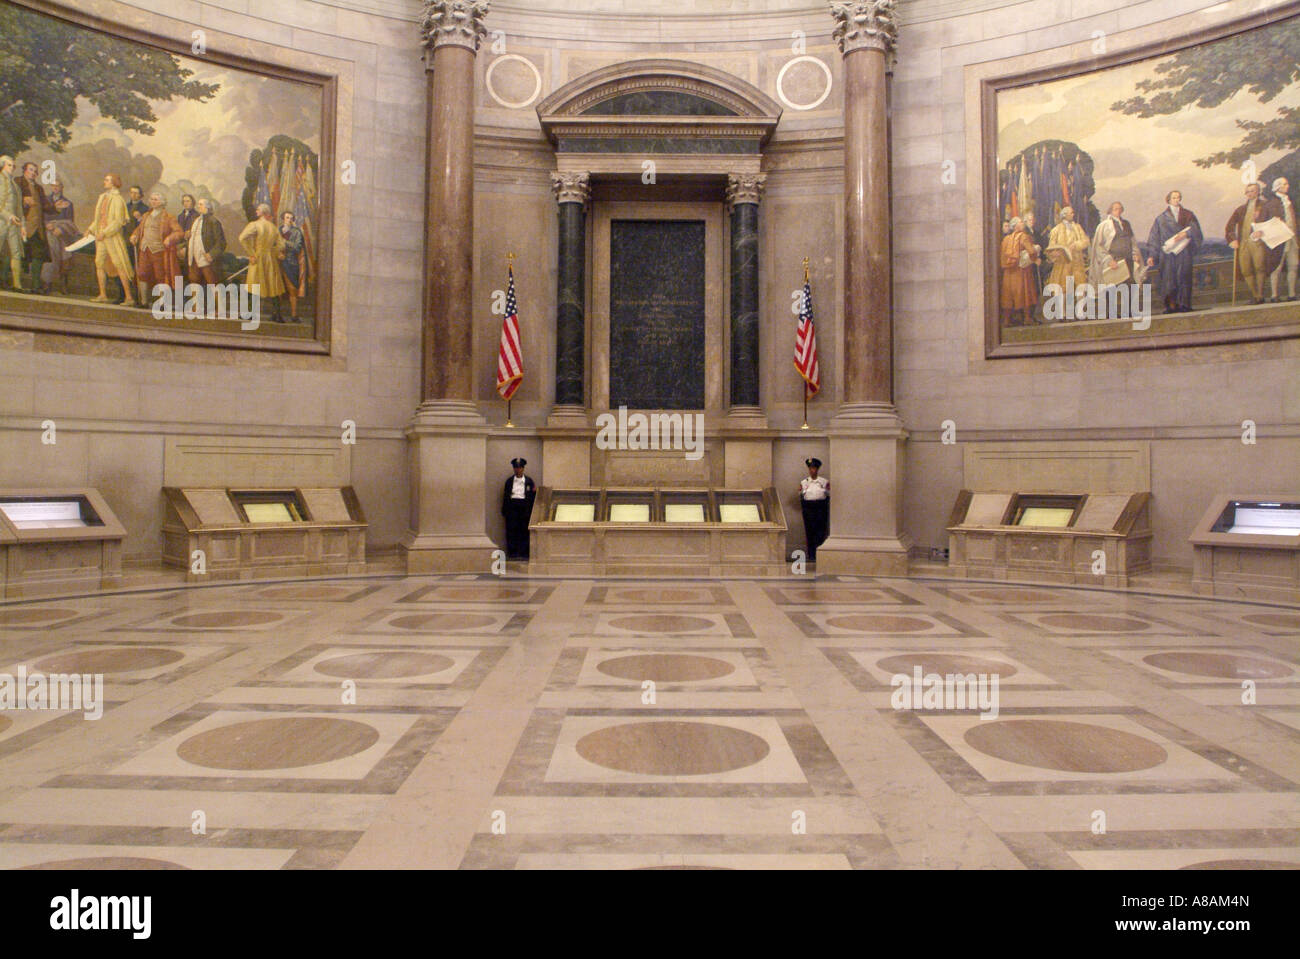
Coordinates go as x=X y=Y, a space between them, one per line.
x=1114 y=256
x=60 y=233
x=1019 y=261
x=1172 y=245
x=36 y=249
x=1290 y=256
x=111 y=257
x=11 y=222
x=264 y=247
x=156 y=240
x=1067 y=249
x=1255 y=260
x=294 y=264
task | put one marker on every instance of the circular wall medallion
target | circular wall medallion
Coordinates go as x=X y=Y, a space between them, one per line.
x=383 y=665
x=122 y=659
x=873 y=623
x=1090 y=623
x=666 y=667
x=227 y=619
x=803 y=83
x=107 y=862
x=27 y=617
x=661 y=623
x=435 y=621
x=1065 y=746
x=1218 y=665
x=944 y=664
x=672 y=748
x=285 y=743
x=513 y=84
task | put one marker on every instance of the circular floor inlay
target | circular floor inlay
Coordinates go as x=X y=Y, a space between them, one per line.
x=304 y=592
x=665 y=595
x=1095 y=624
x=661 y=623
x=672 y=748
x=833 y=595
x=1219 y=665
x=1281 y=620
x=107 y=862
x=123 y=659
x=480 y=593
x=944 y=664
x=1065 y=746
x=384 y=665
x=666 y=667
x=227 y=618
x=1010 y=594
x=278 y=743
x=442 y=621
x=1251 y=864
x=870 y=623
x=24 y=617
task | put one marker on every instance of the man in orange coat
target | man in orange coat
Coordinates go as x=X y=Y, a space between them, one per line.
x=155 y=239
x=1019 y=258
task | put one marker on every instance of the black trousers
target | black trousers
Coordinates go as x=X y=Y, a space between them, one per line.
x=517 y=513
x=816 y=523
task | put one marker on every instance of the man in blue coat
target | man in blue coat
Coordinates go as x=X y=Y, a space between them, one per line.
x=1174 y=239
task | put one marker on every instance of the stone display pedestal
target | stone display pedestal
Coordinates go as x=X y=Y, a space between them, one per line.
x=448 y=458
x=867 y=537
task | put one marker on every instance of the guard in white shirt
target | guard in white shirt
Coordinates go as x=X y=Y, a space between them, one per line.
x=815 y=500
x=517 y=506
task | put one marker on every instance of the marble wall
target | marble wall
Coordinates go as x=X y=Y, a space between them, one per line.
x=116 y=403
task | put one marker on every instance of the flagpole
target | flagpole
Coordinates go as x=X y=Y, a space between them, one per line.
x=805 y=382
x=510 y=266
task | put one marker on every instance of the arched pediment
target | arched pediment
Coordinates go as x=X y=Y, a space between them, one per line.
x=659 y=88
x=658 y=107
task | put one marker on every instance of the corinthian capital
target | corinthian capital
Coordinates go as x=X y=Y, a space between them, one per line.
x=571 y=187
x=865 y=24
x=457 y=22
x=745 y=188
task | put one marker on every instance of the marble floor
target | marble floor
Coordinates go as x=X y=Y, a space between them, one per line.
x=482 y=723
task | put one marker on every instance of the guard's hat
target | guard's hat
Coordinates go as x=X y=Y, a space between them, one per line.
x=519 y=462
x=813 y=461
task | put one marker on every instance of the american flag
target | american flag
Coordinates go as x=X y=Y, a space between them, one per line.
x=805 y=343
x=510 y=358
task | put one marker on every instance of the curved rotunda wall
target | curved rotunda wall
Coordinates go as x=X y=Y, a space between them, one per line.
x=123 y=400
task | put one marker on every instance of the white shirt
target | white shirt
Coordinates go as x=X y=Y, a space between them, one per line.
x=198 y=255
x=811 y=489
x=517 y=491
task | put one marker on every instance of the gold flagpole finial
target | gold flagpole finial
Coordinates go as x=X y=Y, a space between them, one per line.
x=805 y=269
x=510 y=260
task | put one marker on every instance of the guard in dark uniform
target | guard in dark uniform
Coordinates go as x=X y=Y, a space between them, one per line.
x=815 y=500
x=517 y=506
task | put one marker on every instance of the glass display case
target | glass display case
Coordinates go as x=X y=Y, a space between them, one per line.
x=1249 y=547
x=66 y=512
x=57 y=540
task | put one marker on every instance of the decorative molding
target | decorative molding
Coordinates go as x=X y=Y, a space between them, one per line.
x=745 y=188
x=865 y=25
x=453 y=22
x=573 y=187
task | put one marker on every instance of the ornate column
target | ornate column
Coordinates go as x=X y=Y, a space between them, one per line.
x=866 y=435
x=572 y=193
x=452 y=30
x=448 y=437
x=747 y=455
x=566 y=439
x=744 y=190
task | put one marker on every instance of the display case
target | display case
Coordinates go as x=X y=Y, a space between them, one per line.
x=218 y=533
x=1249 y=547
x=677 y=531
x=1085 y=538
x=57 y=541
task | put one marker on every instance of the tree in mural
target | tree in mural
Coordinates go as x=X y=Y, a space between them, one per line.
x=1264 y=62
x=46 y=65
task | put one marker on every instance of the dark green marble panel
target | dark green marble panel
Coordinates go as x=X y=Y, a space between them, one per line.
x=663 y=103
x=656 y=320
